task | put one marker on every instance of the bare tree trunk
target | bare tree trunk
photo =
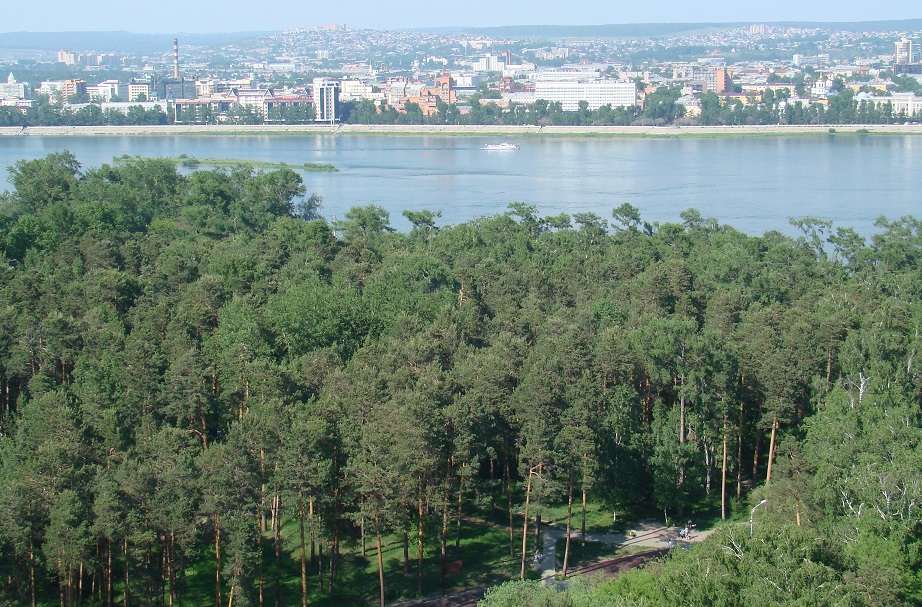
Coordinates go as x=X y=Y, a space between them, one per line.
x=406 y=553
x=277 y=538
x=771 y=451
x=147 y=566
x=108 y=575
x=708 y=464
x=525 y=525
x=260 y=565
x=217 y=554
x=458 y=517
x=739 y=457
x=320 y=566
x=723 y=477
x=509 y=505
x=758 y=448
x=444 y=536
x=334 y=558
x=32 y=571
x=681 y=430
x=127 y=569
x=419 y=540
x=303 y=554
x=380 y=559
x=566 y=550
x=362 y=532
x=310 y=514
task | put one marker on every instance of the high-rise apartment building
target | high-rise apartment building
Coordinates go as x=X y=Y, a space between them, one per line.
x=326 y=100
x=903 y=51
x=724 y=82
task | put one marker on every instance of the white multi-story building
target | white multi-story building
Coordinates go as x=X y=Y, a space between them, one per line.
x=50 y=86
x=106 y=90
x=903 y=51
x=905 y=104
x=14 y=90
x=326 y=100
x=351 y=90
x=490 y=63
x=594 y=92
x=138 y=91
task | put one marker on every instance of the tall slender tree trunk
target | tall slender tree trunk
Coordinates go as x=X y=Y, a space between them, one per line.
x=310 y=513
x=458 y=517
x=261 y=524
x=444 y=537
x=525 y=525
x=419 y=540
x=32 y=572
x=739 y=456
x=362 y=531
x=582 y=527
x=127 y=569
x=681 y=432
x=147 y=567
x=108 y=574
x=566 y=550
x=320 y=566
x=260 y=565
x=333 y=557
x=303 y=554
x=277 y=539
x=509 y=506
x=758 y=448
x=406 y=553
x=771 y=451
x=723 y=477
x=217 y=556
x=380 y=559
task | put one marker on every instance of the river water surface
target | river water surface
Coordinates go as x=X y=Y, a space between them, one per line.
x=751 y=183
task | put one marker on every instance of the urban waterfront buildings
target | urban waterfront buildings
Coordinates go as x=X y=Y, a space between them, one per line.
x=594 y=93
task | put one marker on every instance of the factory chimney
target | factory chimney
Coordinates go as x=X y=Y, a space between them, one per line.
x=176 y=58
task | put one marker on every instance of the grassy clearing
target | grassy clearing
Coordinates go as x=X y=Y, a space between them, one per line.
x=598 y=518
x=483 y=551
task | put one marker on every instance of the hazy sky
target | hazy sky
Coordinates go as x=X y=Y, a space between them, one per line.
x=205 y=16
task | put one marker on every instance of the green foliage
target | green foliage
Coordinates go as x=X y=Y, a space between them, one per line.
x=201 y=365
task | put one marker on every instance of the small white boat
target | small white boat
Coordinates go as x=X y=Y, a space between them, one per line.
x=500 y=146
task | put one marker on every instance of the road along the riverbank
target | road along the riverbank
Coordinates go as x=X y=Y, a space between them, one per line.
x=461 y=130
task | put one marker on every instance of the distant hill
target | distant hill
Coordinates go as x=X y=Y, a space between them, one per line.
x=123 y=42
x=649 y=30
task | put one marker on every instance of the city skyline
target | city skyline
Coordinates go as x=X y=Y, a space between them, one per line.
x=210 y=16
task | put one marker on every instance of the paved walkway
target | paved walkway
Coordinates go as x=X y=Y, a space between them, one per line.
x=647 y=534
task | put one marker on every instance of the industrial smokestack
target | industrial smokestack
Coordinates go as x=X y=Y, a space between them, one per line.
x=176 y=58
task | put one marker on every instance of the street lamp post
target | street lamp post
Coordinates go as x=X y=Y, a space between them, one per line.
x=752 y=513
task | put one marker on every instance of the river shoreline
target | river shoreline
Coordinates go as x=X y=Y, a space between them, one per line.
x=464 y=130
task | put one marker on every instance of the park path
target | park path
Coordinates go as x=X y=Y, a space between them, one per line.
x=647 y=534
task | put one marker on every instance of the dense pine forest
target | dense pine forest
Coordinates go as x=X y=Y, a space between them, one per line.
x=210 y=395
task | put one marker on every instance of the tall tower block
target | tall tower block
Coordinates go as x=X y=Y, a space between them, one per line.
x=176 y=58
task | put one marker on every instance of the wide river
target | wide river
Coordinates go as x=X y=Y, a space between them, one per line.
x=751 y=183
